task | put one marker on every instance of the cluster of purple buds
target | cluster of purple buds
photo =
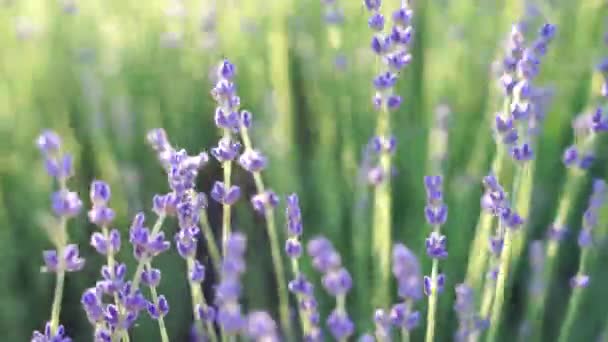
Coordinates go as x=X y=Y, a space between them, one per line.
x=146 y=244
x=300 y=286
x=406 y=270
x=333 y=13
x=49 y=336
x=102 y=215
x=188 y=214
x=469 y=322
x=495 y=201
x=436 y=213
x=336 y=280
x=521 y=66
x=227 y=116
x=379 y=146
x=65 y=204
x=229 y=316
x=261 y=327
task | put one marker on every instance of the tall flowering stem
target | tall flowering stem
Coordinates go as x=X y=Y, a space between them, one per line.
x=190 y=209
x=585 y=241
x=65 y=204
x=337 y=282
x=299 y=285
x=253 y=161
x=436 y=213
x=227 y=119
x=392 y=47
x=407 y=272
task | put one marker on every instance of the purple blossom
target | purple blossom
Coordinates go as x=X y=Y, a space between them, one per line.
x=403 y=317
x=406 y=270
x=229 y=315
x=253 y=160
x=47 y=336
x=337 y=282
x=151 y=277
x=579 y=281
x=48 y=142
x=160 y=309
x=70 y=262
x=436 y=246
x=267 y=199
x=66 y=203
x=225 y=196
x=261 y=327
x=340 y=325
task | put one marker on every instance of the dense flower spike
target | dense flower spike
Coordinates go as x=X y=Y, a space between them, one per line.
x=336 y=281
x=65 y=204
x=468 y=320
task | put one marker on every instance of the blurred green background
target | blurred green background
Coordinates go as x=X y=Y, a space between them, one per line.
x=102 y=73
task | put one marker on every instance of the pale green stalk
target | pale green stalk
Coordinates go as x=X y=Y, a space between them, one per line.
x=61 y=243
x=198 y=298
x=574 y=302
x=405 y=333
x=575 y=179
x=503 y=270
x=304 y=319
x=478 y=260
x=433 y=297
x=341 y=307
x=226 y=219
x=275 y=250
x=161 y=321
x=214 y=252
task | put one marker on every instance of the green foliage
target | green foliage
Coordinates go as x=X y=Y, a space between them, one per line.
x=103 y=76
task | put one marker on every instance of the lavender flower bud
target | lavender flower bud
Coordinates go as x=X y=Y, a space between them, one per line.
x=48 y=336
x=66 y=203
x=340 y=325
x=101 y=215
x=294 y=216
x=252 y=161
x=71 y=261
x=372 y=5
x=48 y=142
x=246 y=118
x=376 y=22
x=337 y=282
x=100 y=192
x=261 y=327
x=293 y=248
x=267 y=199
x=225 y=196
x=197 y=274
x=579 y=281
x=157 y=138
x=161 y=309
x=151 y=277
x=436 y=246
x=570 y=156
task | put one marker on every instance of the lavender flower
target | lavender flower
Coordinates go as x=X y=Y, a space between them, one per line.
x=336 y=281
x=65 y=204
x=49 y=336
x=469 y=322
x=261 y=327
x=228 y=291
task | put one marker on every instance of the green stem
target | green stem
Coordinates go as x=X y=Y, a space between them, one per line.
x=430 y=321
x=161 y=321
x=304 y=319
x=199 y=299
x=574 y=303
x=214 y=252
x=341 y=308
x=275 y=251
x=226 y=219
x=505 y=258
x=61 y=244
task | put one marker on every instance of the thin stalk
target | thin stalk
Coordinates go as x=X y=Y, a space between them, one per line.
x=304 y=319
x=477 y=261
x=161 y=321
x=575 y=301
x=139 y=270
x=505 y=258
x=405 y=333
x=58 y=293
x=214 y=252
x=381 y=236
x=536 y=307
x=430 y=320
x=341 y=307
x=275 y=250
x=226 y=219
x=199 y=299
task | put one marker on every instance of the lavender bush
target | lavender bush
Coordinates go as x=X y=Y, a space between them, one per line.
x=204 y=224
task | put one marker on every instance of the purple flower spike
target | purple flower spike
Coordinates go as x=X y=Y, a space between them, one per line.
x=294 y=216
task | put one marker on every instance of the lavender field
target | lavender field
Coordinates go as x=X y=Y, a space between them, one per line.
x=304 y=170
